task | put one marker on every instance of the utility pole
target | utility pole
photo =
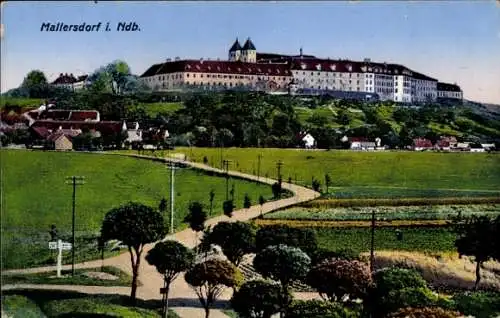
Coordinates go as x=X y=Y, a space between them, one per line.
x=74 y=181
x=372 y=247
x=172 y=195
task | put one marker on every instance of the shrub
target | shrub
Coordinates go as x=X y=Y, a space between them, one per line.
x=257 y=298
x=319 y=309
x=425 y=312
x=479 y=304
x=276 y=188
x=316 y=185
x=390 y=279
x=407 y=297
x=336 y=278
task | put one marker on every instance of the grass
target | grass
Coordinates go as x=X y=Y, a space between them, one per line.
x=420 y=239
x=16 y=306
x=447 y=273
x=430 y=212
x=35 y=196
x=79 y=279
x=56 y=303
x=383 y=174
x=230 y=313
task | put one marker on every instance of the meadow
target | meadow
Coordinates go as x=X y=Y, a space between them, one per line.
x=35 y=196
x=367 y=174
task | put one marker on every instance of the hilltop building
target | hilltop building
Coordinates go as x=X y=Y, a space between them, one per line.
x=71 y=82
x=247 y=69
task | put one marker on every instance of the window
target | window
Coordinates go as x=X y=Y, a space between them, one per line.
x=187 y=75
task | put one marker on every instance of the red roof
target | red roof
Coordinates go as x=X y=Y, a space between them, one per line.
x=358 y=139
x=422 y=143
x=83 y=115
x=224 y=67
x=105 y=127
x=42 y=132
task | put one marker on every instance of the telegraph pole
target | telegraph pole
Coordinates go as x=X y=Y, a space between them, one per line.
x=172 y=195
x=74 y=181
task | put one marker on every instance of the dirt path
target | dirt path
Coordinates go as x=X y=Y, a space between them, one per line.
x=184 y=300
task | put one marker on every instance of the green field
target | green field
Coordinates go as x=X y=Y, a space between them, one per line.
x=420 y=239
x=430 y=212
x=55 y=303
x=154 y=109
x=35 y=196
x=372 y=174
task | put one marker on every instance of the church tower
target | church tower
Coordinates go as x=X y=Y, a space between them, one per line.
x=248 y=52
x=235 y=51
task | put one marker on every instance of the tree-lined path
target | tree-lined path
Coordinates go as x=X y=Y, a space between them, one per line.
x=182 y=298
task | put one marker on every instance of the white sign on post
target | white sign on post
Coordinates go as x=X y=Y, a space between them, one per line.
x=60 y=246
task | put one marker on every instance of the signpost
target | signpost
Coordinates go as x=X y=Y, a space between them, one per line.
x=60 y=246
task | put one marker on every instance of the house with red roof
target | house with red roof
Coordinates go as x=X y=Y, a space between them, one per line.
x=421 y=144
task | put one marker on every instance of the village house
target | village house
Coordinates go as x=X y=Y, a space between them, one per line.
x=307 y=140
x=446 y=143
x=60 y=141
x=361 y=143
x=421 y=144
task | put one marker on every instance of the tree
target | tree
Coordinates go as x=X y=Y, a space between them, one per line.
x=335 y=279
x=276 y=188
x=115 y=77
x=315 y=308
x=328 y=180
x=135 y=225
x=257 y=299
x=303 y=238
x=235 y=238
x=424 y=312
x=284 y=264
x=162 y=207
x=196 y=217
x=475 y=239
x=35 y=84
x=208 y=280
x=261 y=202
x=228 y=207
x=316 y=185
x=322 y=254
x=170 y=258
x=212 y=196
x=247 y=203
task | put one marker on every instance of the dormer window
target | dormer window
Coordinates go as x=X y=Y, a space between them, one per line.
x=189 y=66
x=369 y=69
x=333 y=67
x=229 y=69
x=239 y=69
x=197 y=67
x=303 y=66
x=318 y=67
x=363 y=68
x=349 y=68
x=218 y=68
x=209 y=68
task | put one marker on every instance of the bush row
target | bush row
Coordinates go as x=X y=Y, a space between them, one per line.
x=351 y=224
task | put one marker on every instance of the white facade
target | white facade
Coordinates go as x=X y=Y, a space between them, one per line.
x=309 y=141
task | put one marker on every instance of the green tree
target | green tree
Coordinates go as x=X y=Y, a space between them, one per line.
x=247 y=203
x=276 y=188
x=475 y=239
x=196 y=217
x=135 y=225
x=328 y=180
x=228 y=207
x=257 y=299
x=336 y=278
x=212 y=196
x=35 y=84
x=284 y=264
x=303 y=238
x=319 y=309
x=170 y=259
x=210 y=278
x=424 y=312
x=235 y=238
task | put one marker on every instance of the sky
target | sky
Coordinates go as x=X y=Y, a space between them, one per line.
x=455 y=42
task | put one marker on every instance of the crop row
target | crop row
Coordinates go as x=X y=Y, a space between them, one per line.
x=428 y=212
x=334 y=203
x=351 y=224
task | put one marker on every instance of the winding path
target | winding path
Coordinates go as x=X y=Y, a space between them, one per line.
x=182 y=298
